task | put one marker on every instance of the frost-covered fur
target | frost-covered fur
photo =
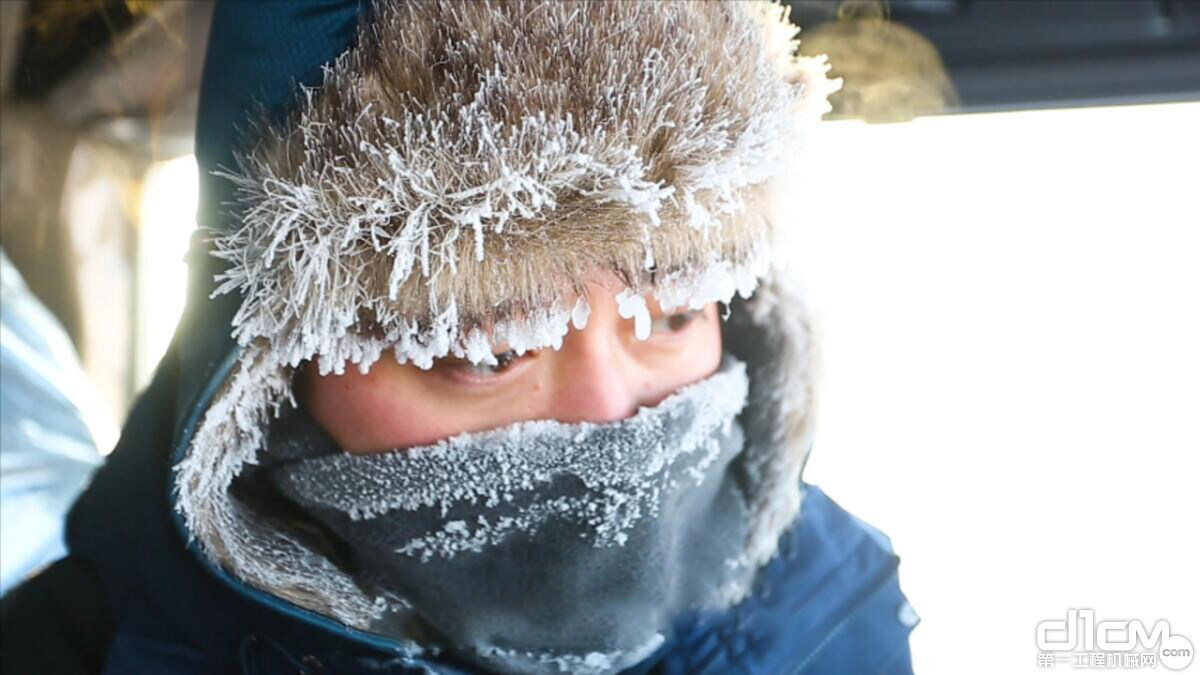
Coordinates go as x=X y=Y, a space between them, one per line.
x=453 y=182
x=471 y=162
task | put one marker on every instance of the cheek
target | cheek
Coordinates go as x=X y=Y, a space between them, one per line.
x=382 y=410
x=698 y=359
x=706 y=348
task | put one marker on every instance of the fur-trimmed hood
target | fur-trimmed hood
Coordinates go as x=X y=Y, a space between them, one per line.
x=451 y=182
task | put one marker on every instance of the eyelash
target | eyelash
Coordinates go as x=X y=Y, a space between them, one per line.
x=687 y=318
x=482 y=370
x=673 y=323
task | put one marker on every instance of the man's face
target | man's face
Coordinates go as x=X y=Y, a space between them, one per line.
x=602 y=373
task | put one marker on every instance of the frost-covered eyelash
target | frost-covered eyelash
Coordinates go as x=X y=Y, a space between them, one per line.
x=688 y=317
x=503 y=360
x=507 y=357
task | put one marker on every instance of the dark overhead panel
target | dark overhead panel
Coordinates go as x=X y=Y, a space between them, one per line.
x=58 y=36
x=1006 y=54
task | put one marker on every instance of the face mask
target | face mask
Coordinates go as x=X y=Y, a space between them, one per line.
x=542 y=547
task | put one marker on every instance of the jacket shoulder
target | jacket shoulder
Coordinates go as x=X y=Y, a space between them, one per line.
x=838 y=595
x=829 y=602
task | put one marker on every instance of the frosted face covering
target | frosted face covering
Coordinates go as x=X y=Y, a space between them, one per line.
x=544 y=547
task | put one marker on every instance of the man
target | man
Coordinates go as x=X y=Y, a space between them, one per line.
x=513 y=385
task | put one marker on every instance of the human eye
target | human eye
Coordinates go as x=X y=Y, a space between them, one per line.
x=482 y=371
x=676 y=322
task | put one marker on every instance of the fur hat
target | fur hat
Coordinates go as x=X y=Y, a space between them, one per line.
x=453 y=182
x=457 y=176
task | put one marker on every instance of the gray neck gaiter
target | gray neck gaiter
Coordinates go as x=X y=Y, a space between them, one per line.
x=543 y=547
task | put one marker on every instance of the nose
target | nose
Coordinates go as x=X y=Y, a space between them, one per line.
x=597 y=381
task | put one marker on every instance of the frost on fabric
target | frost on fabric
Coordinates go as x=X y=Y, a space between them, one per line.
x=621 y=464
x=592 y=663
